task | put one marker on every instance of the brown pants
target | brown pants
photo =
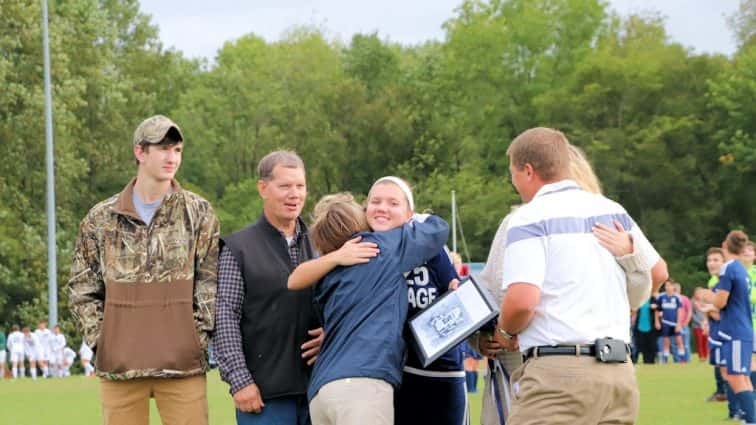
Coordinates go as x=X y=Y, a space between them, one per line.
x=180 y=401
x=574 y=390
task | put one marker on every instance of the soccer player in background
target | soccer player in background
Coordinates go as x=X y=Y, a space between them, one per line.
x=669 y=319
x=67 y=355
x=32 y=349
x=687 y=316
x=16 y=349
x=747 y=259
x=733 y=299
x=43 y=351
x=57 y=344
x=85 y=356
x=714 y=259
x=2 y=355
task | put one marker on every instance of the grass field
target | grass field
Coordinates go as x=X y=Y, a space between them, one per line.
x=670 y=394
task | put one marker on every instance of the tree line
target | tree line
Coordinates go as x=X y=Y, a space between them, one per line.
x=670 y=132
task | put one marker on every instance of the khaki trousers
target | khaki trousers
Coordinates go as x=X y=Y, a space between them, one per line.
x=353 y=401
x=180 y=401
x=573 y=390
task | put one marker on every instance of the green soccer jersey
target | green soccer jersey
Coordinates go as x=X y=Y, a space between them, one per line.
x=713 y=281
x=2 y=341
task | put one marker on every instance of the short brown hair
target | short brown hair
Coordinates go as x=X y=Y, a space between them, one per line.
x=167 y=141
x=715 y=250
x=287 y=159
x=736 y=241
x=545 y=149
x=336 y=218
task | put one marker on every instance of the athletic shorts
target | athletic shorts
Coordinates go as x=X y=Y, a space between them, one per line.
x=737 y=355
x=667 y=330
x=16 y=356
x=43 y=355
x=3 y=357
x=715 y=353
x=31 y=355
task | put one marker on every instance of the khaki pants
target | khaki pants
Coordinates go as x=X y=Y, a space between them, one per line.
x=574 y=390
x=180 y=401
x=353 y=401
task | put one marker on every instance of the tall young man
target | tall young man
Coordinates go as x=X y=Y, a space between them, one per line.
x=143 y=285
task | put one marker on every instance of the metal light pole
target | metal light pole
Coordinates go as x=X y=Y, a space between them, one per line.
x=52 y=266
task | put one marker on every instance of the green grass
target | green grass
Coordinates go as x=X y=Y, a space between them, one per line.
x=670 y=394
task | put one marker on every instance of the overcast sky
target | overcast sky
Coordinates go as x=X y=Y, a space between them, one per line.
x=200 y=27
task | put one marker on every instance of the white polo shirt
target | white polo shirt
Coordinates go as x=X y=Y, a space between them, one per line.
x=583 y=290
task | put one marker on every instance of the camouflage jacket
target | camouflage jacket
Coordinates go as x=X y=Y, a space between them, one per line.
x=144 y=295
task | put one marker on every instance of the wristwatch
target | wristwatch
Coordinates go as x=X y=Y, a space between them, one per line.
x=504 y=333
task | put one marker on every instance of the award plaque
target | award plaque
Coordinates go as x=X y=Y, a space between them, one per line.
x=450 y=319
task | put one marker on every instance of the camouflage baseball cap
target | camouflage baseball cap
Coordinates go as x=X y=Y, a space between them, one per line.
x=154 y=129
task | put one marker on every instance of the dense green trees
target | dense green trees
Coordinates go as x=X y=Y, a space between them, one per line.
x=672 y=133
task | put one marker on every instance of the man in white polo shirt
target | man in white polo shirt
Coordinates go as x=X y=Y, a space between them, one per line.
x=565 y=294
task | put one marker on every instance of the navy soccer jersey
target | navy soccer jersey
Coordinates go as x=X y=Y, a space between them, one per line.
x=669 y=305
x=425 y=284
x=735 y=318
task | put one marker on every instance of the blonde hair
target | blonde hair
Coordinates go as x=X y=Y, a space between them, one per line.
x=582 y=172
x=545 y=149
x=336 y=218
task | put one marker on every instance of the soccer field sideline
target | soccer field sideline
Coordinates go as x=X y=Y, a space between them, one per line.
x=670 y=395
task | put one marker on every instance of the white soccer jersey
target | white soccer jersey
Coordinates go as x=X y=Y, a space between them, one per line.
x=31 y=345
x=68 y=355
x=85 y=352
x=44 y=336
x=57 y=343
x=16 y=342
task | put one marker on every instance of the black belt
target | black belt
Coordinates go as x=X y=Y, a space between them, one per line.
x=562 y=350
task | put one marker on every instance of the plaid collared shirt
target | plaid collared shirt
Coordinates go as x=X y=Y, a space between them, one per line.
x=293 y=246
x=227 y=342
